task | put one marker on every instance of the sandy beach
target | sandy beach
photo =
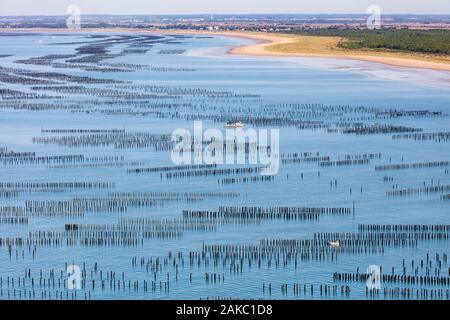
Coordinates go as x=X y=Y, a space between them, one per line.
x=324 y=47
x=293 y=46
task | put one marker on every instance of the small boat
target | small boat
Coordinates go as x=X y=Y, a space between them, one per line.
x=233 y=124
x=334 y=244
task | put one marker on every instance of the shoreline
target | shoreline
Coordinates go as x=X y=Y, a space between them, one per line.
x=260 y=49
x=267 y=46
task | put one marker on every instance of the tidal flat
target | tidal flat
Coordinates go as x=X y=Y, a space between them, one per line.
x=88 y=187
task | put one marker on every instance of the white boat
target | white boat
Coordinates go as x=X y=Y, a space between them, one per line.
x=334 y=244
x=233 y=124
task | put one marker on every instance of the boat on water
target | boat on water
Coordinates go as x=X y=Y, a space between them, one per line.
x=234 y=124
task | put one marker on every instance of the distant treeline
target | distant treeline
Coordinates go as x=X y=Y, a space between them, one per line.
x=425 y=41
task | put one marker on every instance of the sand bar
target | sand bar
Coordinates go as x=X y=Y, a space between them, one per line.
x=273 y=44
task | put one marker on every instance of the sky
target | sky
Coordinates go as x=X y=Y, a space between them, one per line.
x=149 y=7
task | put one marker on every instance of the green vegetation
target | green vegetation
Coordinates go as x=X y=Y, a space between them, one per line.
x=422 y=41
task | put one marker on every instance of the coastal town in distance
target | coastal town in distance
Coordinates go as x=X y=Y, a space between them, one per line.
x=243 y=22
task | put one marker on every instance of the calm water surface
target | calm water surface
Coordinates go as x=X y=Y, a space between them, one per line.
x=261 y=88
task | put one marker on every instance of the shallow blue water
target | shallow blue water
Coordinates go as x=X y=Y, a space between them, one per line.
x=274 y=81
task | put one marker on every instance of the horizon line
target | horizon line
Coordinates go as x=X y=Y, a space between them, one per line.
x=221 y=14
